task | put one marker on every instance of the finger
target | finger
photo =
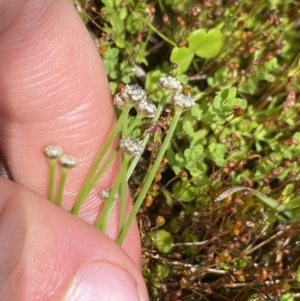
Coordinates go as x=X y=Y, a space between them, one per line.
x=48 y=254
x=53 y=90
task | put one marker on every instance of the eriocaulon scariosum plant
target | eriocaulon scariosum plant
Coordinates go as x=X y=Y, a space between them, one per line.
x=181 y=103
x=54 y=153
x=131 y=150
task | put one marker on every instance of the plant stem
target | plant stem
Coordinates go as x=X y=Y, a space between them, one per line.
x=63 y=178
x=83 y=193
x=155 y=30
x=104 y=168
x=52 y=165
x=147 y=136
x=110 y=202
x=149 y=178
x=161 y=35
x=133 y=124
x=122 y=204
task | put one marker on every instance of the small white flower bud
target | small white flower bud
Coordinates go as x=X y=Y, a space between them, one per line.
x=133 y=94
x=146 y=108
x=104 y=194
x=169 y=83
x=53 y=151
x=131 y=146
x=119 y=101
x=67 y=161
x=184 y=102
x=249 y=224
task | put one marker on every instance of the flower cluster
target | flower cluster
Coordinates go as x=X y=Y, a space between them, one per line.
x=135 y=95
x=67 y=161
x=131 y=146
x=146 y=108
x=130 y=94
x=170 y=83
x=183 y=102
x=53 y=151
x=104 y=194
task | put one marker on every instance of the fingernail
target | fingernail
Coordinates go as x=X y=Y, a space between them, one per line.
x=102 y=281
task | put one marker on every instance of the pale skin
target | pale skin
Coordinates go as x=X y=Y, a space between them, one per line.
x=54 y=90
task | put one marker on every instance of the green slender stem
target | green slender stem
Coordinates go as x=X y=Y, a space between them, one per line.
x=134 y=123
x=110 y=202
x=135 y=160
x=63 y=178
x=124 y=130
x=101 y=173
x=155 y=30
x=122 y=204
x=83 y=193
x=150 y=177
x=161 y=35
x=52 y=165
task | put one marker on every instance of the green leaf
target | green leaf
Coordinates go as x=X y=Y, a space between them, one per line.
x=225 y=100
x=168 y=196
x=206 y=45
x=216 y=153
x=198 y=171
x=228 y=104
x=293 y=204
x=120 y=42
x=188 y=128
x=183 y=191
x=298 y=274
x=217 y=102
x=111 y=53
x=296 y=148
x=196 y=153
x=162 y=240
x=198 y=110
x=162 y=271
x=287 y=297
x=123 y=13
x=182 y=57
x=288 y=189
x=116 y=23
x=220 y=77
x=108 y=3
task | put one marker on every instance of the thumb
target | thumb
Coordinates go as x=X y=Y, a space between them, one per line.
x=48 y=254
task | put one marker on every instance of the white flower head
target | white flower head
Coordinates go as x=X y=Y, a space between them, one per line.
x=183 y=102
x=146 y=108
x=131 y=146
x=53 y=151
x=67 y=161
x=119 y=101
x=133 y=94
x=169 y=83
x=104 y=194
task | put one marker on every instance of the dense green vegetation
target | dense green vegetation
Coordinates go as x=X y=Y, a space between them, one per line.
x=241 y=61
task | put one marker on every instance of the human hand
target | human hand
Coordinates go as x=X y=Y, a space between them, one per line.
x=53 y=90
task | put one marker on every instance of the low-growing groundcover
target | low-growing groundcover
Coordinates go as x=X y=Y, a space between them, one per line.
x=241 y=61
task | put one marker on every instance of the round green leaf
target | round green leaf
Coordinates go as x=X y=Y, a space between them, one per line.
x=182 y=57
x=163 y=241
x=184 y=192
x=206 y=44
